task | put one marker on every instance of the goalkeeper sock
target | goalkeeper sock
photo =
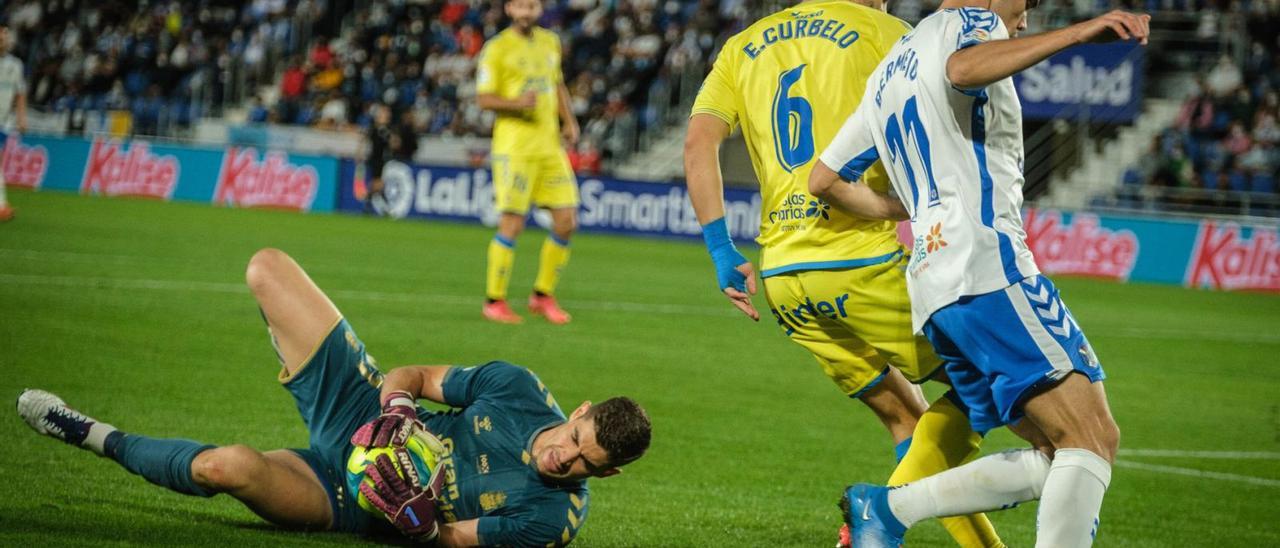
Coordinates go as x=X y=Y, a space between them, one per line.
x=1073 y=493
x=945 y=440
x=164 y=462
x=502 y=256
x=551 y=263
x=994 y=482
x=97 y=438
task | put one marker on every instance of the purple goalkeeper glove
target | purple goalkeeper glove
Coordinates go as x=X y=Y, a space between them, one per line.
x=393 y=427
x=410 y=506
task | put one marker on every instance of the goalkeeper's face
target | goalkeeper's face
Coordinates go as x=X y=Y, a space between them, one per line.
x=569 y=451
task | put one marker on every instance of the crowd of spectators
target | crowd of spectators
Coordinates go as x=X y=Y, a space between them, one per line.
x=328 y=63
x=165 y=62
x=1226 y=138
x=625 y=64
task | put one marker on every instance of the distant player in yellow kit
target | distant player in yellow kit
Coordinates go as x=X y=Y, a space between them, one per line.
x=835 y=283
x=519 y=78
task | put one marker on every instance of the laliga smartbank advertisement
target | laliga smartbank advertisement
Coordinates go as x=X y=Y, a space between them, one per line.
x=230 y=176
x=1208 y=254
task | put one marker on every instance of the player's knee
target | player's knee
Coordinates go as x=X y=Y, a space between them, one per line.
x=563 y=227
x=262 y=269
x=229 y=468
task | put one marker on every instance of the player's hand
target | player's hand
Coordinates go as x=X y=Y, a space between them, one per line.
x=408 y=505
x=1115 y=25
x=741 y=299
x=393 y=427
x=527 y=101
x=570 y=133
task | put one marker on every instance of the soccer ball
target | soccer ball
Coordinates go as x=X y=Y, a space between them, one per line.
x=420 y=452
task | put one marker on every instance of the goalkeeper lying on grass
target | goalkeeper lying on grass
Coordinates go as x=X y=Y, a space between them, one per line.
x=505 y=467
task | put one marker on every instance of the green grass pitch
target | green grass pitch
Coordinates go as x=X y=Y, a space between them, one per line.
x=136 y=312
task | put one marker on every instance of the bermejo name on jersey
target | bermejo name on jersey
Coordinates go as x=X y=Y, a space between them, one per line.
x=954 y=158
x=790 y=79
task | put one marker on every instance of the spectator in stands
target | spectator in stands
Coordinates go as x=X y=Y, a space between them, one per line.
x=1225 y=77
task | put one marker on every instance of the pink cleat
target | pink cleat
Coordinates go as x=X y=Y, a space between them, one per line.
x=844 y=539
x=500 y=312
x=547 y=307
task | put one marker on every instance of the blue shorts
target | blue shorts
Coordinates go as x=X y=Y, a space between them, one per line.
x=1002 y=347
x=337 y=391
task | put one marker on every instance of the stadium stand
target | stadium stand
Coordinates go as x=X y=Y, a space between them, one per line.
x=316 y=63
x=632 y=67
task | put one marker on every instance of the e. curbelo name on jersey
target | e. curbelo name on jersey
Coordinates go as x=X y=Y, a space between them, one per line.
x=23 y=165
x=114 y=170
x=273 y=182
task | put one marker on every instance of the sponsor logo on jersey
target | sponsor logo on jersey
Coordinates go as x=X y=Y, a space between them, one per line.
x=1081 y=247
x=934 y=241
x=799 y=314
x=272 y=182
x=799 y=207
x=1224 y=259
x=492 y=501
x=113 y=170
x=23 y=165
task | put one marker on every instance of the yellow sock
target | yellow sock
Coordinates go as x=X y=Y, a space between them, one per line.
x=555 y=255
x=943 y=440
x=502 y=255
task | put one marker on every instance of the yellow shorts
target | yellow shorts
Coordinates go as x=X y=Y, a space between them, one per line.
x=521 y=181
x=855 y=322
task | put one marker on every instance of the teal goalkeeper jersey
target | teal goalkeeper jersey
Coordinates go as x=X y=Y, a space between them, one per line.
x=499 y=408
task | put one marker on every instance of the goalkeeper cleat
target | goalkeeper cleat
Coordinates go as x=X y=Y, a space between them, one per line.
x=49 y=415
x=871 y=522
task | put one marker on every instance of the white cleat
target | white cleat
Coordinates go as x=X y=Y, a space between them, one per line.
x=49 y=415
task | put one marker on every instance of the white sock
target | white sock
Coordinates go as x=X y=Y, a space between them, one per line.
x=993 y=482
x=1072 y=498
x=4 y=201
x=97 y=438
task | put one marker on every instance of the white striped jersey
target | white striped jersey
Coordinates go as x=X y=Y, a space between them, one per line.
x=954 y=158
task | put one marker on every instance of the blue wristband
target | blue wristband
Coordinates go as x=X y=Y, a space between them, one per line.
x=724 y=255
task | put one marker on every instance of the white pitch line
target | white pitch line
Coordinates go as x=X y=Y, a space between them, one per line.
x=340 y=294
x=1177 y=454
x=1179 y=471
x=468 y=300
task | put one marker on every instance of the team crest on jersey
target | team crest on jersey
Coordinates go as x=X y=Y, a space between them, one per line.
x=1090 y=358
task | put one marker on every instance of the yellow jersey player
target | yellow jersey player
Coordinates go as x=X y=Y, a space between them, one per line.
x=519 y=79
x=834 y=282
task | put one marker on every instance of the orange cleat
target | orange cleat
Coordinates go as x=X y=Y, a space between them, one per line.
x=500 y=312
x=6 y=213
x=547 y=307
x=845 y=540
